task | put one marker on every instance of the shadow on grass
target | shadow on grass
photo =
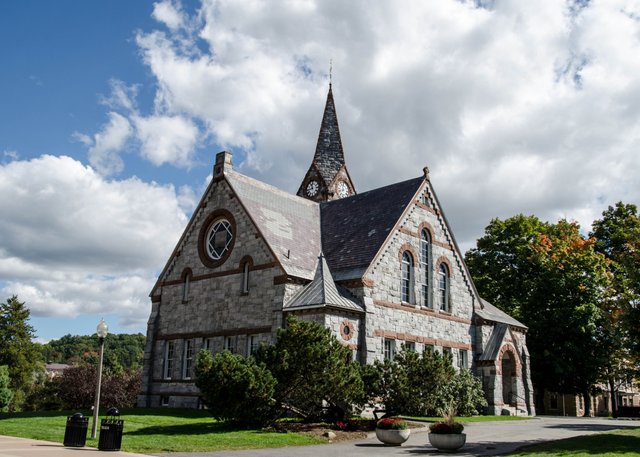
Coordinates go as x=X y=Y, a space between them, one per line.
x=590 y=427
x=199 y=428
x=612 y=443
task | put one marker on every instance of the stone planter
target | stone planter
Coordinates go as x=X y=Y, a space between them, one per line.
x=393 y=437
x=447 y=441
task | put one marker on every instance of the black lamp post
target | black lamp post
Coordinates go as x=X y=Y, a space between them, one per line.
x=101 y=331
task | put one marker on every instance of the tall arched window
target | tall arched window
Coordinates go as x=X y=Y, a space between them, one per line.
x=425 y=262
x=443 y=287
x=245 y=278
x=186 y=284
x=406 y=284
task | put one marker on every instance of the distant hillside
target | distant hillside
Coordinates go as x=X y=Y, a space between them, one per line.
x=120 y=350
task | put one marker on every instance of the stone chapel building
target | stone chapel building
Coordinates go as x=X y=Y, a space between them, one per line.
x=380 y=269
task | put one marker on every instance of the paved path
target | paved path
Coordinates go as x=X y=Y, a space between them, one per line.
x=483 y=438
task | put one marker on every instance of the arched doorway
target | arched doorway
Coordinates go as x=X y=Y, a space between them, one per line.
x=508 y=369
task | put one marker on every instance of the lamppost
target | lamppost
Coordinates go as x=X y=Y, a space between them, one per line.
x=101 y=331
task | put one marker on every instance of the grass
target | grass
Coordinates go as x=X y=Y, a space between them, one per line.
x=157 y=430
x=471 y=418
x=615 y=443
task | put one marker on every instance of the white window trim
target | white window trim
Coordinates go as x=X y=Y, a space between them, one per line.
x=169 y=356
x=188 y=352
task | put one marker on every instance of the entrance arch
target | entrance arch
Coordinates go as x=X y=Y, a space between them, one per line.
x=508 y=369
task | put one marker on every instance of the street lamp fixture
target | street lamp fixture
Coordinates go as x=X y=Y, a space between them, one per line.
x=101 y=331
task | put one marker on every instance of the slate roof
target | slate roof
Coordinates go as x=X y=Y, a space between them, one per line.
x=329 y=156
x=354 y=228
x=490 y=313
x=290 y=224
x=323 y=292
x=492 y=349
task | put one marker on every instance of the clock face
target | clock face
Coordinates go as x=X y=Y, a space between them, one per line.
x=312 y=188
x=343 y=189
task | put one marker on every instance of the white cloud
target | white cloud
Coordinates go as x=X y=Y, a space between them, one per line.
x=104 y=154
x=168 y=13
x=72 y=242
x=167 y=139
x=515 y=106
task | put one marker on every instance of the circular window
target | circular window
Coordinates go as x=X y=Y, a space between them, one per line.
x=346 y=330
x=219 y=239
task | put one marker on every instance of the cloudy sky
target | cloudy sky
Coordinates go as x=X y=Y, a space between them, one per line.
x=111 y=113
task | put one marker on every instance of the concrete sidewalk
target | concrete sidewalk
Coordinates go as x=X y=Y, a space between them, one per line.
x=23 y=447
x=483 y=439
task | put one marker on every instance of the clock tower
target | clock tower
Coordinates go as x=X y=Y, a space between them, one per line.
x=328 y=177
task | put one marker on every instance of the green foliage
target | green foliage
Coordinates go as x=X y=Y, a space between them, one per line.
x=314 y=373
x=465 y=394
x=17 y=350
x=411 y=384
x=617 y=237
x=235 y=388
x=6 y=394
x=552 y=279
x=122 y=351
x=45 y=396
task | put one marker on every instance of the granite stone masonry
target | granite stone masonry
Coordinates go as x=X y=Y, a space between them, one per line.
x=380 y=269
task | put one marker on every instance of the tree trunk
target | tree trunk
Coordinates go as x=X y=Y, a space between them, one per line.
x=614 y=399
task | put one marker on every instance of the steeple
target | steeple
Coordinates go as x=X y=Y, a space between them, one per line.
x=327 y=178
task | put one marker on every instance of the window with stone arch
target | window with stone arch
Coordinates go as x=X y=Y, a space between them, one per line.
x=425 y=263
x=443 y=287
x=186 y=284
x=406 y=283
x=246 y=264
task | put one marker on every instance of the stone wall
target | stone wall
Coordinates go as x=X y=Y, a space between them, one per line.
x=418 y=321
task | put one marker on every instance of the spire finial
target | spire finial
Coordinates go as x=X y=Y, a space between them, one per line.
x=330 y=72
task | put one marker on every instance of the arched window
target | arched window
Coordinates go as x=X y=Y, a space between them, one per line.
x=443 y=287
x=186 y=284
x=425 y=262
x=406 y=284
x=245 y=278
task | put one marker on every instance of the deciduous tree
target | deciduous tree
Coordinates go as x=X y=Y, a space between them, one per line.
x=551 y=278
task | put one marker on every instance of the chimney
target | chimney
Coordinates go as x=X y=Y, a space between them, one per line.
x=223 y=164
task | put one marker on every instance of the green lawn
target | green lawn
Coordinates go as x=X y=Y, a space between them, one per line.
x=616 y=443
x=156 y=430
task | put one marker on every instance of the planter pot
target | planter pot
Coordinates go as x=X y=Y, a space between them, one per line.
x=447 y=441
x=393 y=437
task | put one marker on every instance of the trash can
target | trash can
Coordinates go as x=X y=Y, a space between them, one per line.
x=111 y=431
x=75 y=434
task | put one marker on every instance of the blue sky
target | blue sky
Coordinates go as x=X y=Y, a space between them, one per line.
x=111 y=113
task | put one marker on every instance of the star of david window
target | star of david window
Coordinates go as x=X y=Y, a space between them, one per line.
x=219 y=239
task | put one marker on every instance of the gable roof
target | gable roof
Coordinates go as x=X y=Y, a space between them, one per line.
x=354 y=228
x=329 y=156
x=489 y=312
x=289 y=224
x=323 y=292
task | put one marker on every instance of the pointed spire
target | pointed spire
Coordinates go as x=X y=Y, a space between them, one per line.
x=329 y=155
x=327 y=177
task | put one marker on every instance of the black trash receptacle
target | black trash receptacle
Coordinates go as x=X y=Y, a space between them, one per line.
x=111 y=431
x=75 y=434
